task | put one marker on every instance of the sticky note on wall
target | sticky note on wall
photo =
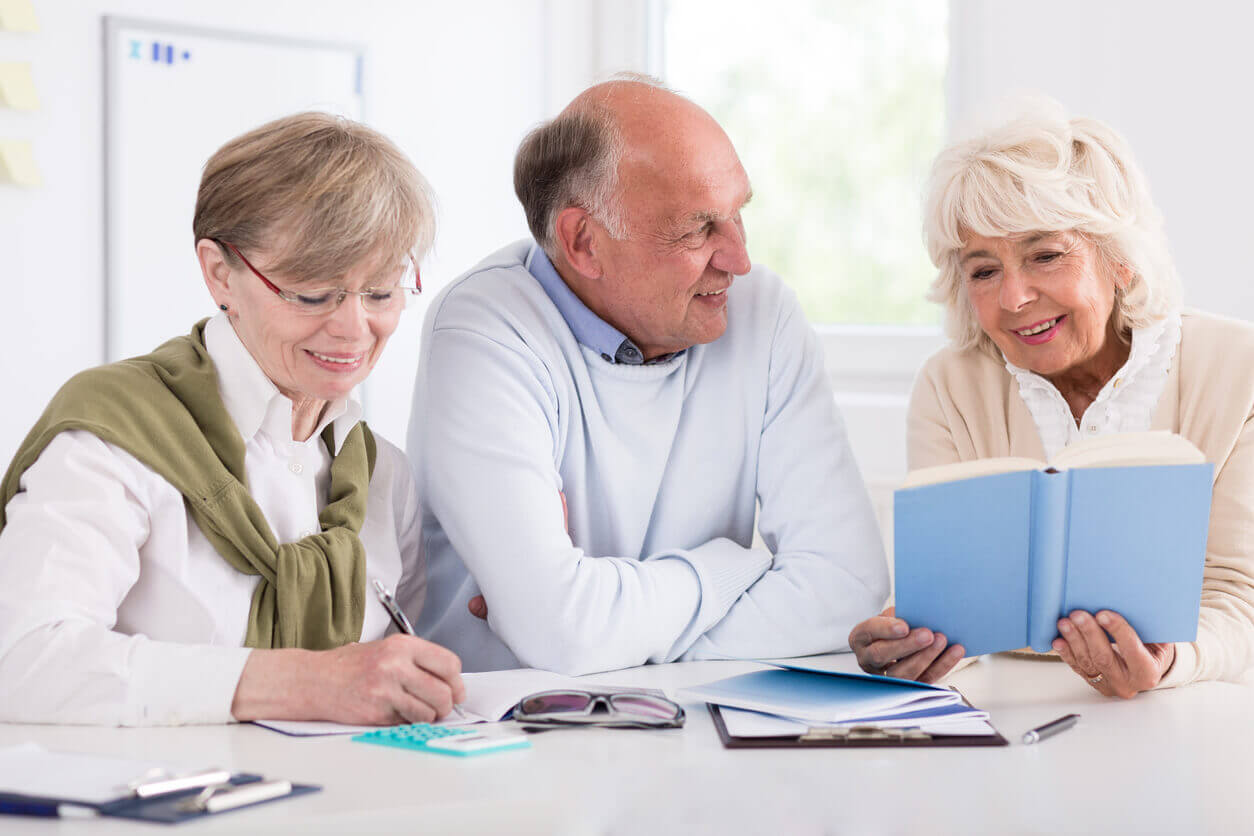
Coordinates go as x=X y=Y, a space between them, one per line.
x=17 y=89
x=17 y=163
x=18 y=16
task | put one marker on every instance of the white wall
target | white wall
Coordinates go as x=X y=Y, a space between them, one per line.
x=457 y=84
x=1172 y=77
x=454 y=84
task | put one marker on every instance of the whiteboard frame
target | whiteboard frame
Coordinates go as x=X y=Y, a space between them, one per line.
x=113 y=25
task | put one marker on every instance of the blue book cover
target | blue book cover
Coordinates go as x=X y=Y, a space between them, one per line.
x=994 y=561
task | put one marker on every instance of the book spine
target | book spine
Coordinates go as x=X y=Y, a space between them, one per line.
x=1047 y=559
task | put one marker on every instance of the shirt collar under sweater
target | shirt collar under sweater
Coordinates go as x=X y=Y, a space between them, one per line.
x=589 y=329
x=254 y=402
x=1125 y=404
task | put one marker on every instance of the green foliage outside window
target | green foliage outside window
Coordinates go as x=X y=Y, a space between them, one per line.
x=836 y=110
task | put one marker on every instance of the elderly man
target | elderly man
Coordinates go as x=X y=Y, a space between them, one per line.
x=599 y=414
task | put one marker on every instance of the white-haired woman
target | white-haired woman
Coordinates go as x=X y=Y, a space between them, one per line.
x=1063 y=313
x=188 y=536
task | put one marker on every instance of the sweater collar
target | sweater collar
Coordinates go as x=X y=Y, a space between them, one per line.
x=589 y=329
x=254 y=402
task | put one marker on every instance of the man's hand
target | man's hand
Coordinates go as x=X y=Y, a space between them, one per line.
x=400 y=679
x=1109 y=655
x=886 y=645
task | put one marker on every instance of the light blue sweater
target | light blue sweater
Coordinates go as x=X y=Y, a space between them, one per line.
x=662 y=467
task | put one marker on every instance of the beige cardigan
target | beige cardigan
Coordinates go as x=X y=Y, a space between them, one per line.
x=965 y=405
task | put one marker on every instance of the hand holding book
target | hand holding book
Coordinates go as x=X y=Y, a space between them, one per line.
x=1106 y=652
x=998 y=553
x=886 y=645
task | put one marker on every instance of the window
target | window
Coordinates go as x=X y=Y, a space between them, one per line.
x=837 y=110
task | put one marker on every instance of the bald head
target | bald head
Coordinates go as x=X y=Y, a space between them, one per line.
x=614 y=137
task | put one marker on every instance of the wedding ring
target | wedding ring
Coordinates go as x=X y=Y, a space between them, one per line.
x=1096 y=680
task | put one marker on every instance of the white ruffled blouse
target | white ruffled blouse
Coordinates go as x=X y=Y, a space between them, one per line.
x=1125 y=404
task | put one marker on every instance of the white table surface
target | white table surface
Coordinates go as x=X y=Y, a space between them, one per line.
x=1179 y=761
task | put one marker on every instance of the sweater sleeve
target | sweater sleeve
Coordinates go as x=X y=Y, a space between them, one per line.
x=929 y=439
x=69 y=555
x=829 y=570
x=486 y=449
x=1225 y=632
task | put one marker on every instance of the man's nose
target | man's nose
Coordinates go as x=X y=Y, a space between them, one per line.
x=732 y=254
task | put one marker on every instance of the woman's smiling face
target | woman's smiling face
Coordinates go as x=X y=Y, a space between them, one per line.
x=1045 y=299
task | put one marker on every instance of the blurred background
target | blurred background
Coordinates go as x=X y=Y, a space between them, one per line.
x=836 y=108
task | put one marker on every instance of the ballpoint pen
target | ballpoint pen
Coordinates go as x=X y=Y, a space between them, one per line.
x=1051 y=728
x=402 y=623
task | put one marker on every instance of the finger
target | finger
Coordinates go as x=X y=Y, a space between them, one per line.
x=1141 y=666
x=1063 y=648
x=881 y=654
x=478 y=607
x=1100 y=651
x=429 y=689
x=912 y=666
x=877 y=628
x=943 y=664
x=1070 y=631
x=411 y=709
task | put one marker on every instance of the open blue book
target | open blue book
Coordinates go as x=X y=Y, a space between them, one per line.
x=993 y=552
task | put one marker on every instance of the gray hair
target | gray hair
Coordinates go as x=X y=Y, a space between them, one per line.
x=572 y=160
x=1045 y=172
x=342 y=191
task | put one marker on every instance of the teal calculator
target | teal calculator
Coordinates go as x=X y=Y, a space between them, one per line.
x=445 y=740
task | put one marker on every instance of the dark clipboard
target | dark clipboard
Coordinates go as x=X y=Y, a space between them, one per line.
x=165 y=809
x=850 y=742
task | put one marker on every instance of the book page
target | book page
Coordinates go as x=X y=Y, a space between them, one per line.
x=968 y=470
x=1129 y=450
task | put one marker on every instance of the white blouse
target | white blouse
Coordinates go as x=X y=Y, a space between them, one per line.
x=115 y=609
x=1125 y=404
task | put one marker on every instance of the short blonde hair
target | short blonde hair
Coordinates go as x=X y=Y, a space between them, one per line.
x=1045 y=172
x=333 y=191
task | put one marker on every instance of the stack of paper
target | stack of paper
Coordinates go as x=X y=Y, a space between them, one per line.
x=791 y=699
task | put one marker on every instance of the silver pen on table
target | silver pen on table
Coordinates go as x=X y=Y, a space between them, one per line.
x=402 y=623
x=1051 y=728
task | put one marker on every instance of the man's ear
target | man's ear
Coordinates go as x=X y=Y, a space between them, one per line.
x=575 y=233
x=216 y=272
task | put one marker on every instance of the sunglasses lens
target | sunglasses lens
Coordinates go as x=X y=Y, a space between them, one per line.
x=643 y=706
x=556 y=702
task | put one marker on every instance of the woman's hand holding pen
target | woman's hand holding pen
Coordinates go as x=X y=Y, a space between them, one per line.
x=399 y=679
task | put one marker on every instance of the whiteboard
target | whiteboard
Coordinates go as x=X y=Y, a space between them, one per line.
x=173 y=95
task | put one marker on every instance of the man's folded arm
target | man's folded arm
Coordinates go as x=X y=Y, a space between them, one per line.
x=487 y=450
x=829 y=570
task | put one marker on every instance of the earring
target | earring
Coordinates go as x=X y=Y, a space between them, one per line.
x=223 y=307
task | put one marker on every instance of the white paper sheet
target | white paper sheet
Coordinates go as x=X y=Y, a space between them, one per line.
x=30 y=769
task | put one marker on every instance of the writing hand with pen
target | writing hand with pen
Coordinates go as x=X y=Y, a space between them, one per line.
x=395 y=680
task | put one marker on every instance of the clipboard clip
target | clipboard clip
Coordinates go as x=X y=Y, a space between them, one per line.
x=226 y=796
x=821 y=734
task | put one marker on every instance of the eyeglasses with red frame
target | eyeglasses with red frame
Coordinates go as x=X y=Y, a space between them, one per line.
x=324 y=300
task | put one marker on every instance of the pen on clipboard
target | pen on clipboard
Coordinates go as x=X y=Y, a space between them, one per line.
x=402 y=623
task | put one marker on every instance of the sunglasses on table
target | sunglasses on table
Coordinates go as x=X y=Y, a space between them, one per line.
x=592 y=708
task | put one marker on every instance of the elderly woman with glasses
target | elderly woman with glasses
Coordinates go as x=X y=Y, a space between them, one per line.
x=1064 y=319
x=190 y=536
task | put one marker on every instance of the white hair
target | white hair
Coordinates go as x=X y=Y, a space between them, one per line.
x=1045 y=172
